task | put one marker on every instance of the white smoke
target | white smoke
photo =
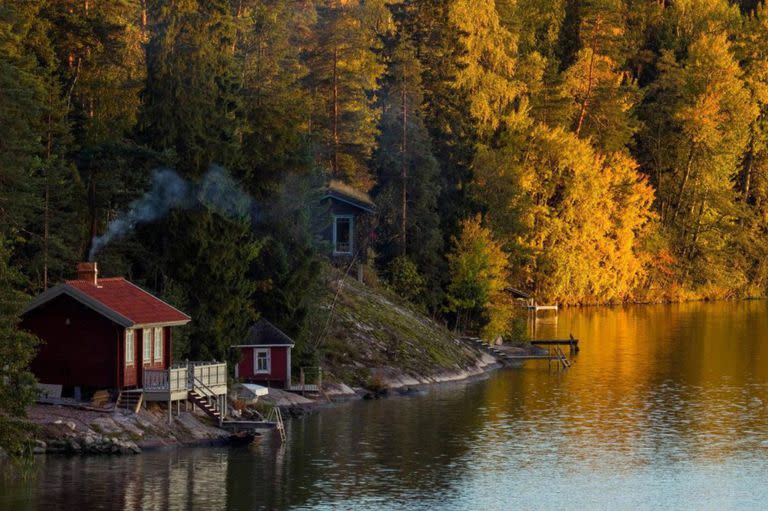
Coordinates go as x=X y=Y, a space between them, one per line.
x=217 y=191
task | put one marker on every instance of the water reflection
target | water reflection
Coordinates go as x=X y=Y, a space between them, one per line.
x=665 y=407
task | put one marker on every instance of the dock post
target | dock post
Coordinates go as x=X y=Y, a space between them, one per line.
x=301 y=380
x=170 y=412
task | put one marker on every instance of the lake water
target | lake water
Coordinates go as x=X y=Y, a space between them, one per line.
x=665 y=407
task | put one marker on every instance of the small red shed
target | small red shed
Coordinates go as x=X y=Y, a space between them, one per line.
x=265 y=356
x=99 y=333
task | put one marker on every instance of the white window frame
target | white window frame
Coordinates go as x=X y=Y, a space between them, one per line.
x=351 y=219
x=256 y=353
x=158 y=344
x=147 y=345
x=130 y=347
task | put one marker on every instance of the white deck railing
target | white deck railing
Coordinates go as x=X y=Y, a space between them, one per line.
x=178 y=378
x=210 y=373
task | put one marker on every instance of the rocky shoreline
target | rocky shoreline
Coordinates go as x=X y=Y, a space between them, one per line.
x=390 y=382
x=74 y=428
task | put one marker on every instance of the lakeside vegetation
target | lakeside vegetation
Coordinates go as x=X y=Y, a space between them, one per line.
x=588 y=151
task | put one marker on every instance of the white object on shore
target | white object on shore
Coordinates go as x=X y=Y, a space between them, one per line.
x=250 y=392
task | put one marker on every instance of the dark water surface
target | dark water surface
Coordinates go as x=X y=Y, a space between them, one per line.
x=666 y=407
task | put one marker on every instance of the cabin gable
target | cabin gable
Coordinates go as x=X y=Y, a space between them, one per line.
x=80 y=346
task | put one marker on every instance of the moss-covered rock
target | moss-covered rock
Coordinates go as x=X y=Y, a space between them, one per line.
x=371 y=330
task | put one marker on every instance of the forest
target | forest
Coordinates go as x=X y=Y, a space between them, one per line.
x=585 y=151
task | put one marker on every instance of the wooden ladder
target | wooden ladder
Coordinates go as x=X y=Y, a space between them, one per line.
x=276 y=416
x=130 y=400
x=563 y=359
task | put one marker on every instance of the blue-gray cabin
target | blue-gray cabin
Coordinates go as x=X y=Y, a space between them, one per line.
x=351 y=222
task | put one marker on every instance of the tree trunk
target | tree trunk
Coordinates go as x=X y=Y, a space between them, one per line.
x=238 y=13
x=46 y=203
x=683 y=182
x=144 y=14
x=748 y=164
x=335 y=111
x=404 y=163
x=585 y=103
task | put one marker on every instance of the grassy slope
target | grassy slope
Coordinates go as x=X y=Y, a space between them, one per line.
x=372 y=328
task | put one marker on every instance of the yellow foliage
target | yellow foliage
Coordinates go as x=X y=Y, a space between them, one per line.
x=479 y=274
x=572 y=217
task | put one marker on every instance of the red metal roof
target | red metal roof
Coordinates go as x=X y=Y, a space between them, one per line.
x=129 y=300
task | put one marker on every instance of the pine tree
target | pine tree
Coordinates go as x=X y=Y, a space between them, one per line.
x=191 y=102
x=447 y=108
x=343 y=73
x=21 y=113
x=408 y=174
x=191 y=110
x=271 y=37
x=17 y=349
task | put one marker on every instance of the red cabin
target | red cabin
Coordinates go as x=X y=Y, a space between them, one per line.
x=265 y=356
x=100 y=333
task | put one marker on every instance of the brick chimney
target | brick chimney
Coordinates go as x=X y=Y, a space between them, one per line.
x=88 y=272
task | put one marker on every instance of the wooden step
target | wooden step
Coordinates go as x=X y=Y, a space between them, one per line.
x=130 y=400
x=210 y=409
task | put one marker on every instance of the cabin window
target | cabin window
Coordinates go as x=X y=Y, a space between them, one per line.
x=147 y=345
x=261 y=361
x=342 y=234
x=130 y=345
x=158 y=344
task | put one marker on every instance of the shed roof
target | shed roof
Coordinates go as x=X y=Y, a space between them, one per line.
x=119 y=300
x=264 y=333
x=345 y=193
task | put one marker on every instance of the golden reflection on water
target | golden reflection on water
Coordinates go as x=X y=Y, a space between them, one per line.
x=679 y=381
x=664 y=407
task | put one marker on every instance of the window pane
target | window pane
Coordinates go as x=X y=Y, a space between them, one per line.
x=262 y=361
x=147 y=345
x=129 y=347
x=158 y=344
x=343 y=235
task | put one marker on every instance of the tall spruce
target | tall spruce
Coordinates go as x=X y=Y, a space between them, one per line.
x=343 y=73
x=408 y=174
x=18 y=387
x=447 y=107
x=191 y=112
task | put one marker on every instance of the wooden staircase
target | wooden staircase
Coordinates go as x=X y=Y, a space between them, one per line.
x=210 y=408
x=130 y=400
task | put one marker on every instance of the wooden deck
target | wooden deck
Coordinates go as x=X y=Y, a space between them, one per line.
x=175 y=383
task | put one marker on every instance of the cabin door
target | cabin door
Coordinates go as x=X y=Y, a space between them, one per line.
x=130 y=371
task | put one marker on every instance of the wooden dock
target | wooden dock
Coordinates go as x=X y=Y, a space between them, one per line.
x=536 y=308
x=555 y=354
x=572 y=343
x=238 y=425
